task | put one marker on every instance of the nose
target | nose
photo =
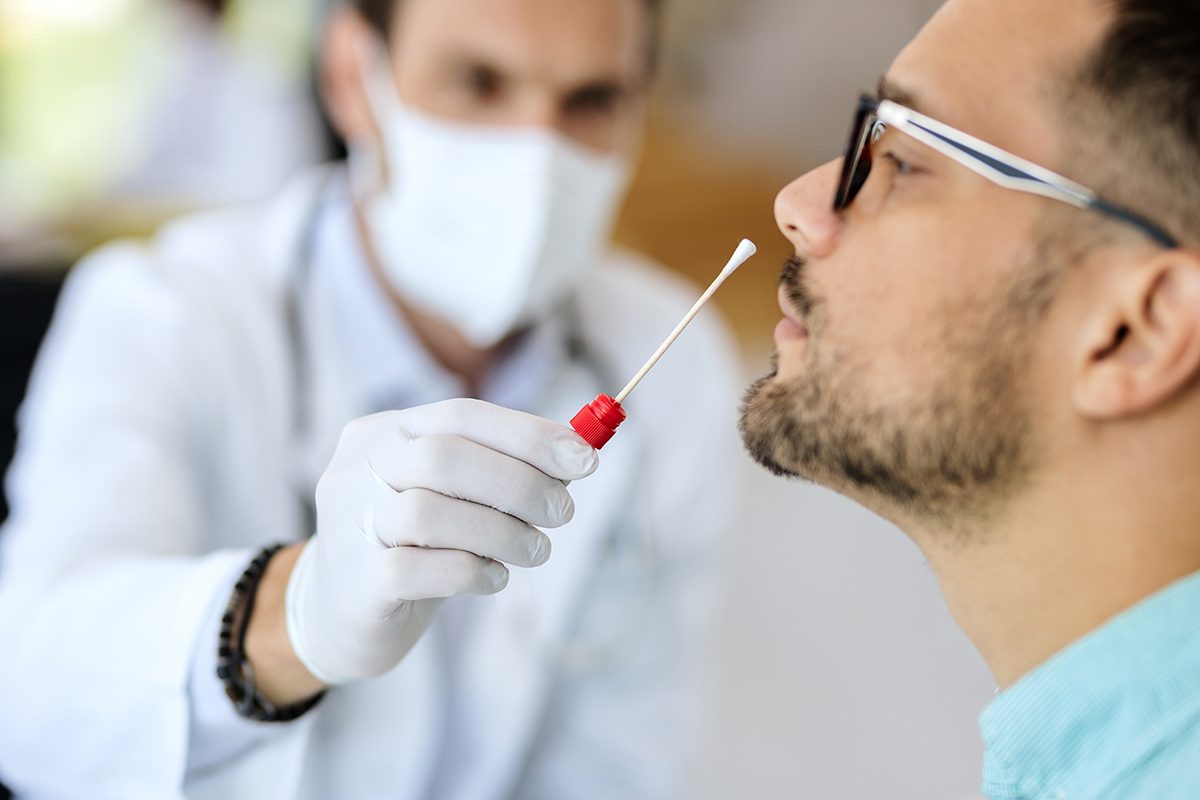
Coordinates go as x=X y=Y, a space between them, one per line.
x=542 y=112
x=804 y=211
x=528 y=107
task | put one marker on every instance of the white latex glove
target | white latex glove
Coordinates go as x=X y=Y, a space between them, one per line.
x=417 y=506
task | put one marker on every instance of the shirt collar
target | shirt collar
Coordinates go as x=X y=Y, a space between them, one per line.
x=1071 y=726
x=386 y=363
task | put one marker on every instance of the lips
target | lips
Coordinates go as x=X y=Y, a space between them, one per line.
x=791 y=323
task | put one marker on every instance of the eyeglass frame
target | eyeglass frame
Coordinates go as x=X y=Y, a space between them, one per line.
x=990 y=162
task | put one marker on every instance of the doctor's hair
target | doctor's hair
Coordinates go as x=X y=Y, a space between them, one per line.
x=379 y=14
x=214 y=8
x=1133 y=113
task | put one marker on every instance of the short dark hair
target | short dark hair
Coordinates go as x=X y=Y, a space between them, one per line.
x=379 y=14
x=1134 y=105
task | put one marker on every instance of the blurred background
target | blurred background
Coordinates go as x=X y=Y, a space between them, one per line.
x=853 y=681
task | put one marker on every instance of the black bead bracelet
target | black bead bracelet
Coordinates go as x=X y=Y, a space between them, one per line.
x=233 y=668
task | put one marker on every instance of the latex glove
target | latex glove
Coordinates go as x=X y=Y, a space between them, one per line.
x=417 y=506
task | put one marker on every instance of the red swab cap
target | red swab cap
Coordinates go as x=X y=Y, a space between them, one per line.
x=598 y=421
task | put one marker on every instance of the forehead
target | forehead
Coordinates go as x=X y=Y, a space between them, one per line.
x=992 y=67
x=554 y=38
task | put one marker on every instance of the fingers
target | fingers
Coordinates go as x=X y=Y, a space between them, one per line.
x=418 y=574
x=552 y=448
x=424 y=519
x=462 y=469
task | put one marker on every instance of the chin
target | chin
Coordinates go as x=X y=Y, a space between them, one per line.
x=762 y=426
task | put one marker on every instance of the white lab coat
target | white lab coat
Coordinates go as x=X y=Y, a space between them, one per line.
x=156 y=454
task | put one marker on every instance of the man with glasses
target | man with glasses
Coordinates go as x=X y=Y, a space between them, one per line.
x=991 y=337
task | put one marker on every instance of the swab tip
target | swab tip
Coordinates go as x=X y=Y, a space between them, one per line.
x=745 y=250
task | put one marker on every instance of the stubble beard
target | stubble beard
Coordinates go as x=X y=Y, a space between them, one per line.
x=954 y=448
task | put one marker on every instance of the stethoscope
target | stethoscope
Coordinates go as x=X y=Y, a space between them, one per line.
x=624 y=548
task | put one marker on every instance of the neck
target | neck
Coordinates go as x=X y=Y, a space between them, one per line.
x=1072 y=554
x=440 y=339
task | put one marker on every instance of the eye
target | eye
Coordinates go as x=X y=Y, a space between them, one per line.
x=482 y=82
x=600 y=99
x=901 y=166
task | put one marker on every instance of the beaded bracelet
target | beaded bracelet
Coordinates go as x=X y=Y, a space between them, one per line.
x=233 y=668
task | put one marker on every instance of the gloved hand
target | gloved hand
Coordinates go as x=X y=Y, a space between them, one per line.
x=417 y=506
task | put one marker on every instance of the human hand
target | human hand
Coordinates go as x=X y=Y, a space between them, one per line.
x=417 y=506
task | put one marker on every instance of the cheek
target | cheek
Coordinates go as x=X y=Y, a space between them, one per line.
x=893 y=311
x=612 y=133
x=881 y=292
x=425 y=90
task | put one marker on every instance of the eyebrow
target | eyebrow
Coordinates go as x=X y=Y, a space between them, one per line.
x=465 y=59
x=887 y=90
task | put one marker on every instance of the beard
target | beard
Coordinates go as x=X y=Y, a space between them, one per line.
x=958 y=444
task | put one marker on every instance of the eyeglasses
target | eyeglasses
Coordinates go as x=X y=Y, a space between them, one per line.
x=874 y=116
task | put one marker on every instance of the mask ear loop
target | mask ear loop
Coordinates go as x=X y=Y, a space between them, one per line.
x=374 y=64
x=365 y=155
x=364 y=169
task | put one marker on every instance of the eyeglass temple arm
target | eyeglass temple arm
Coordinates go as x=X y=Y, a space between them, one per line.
x=1008 y=170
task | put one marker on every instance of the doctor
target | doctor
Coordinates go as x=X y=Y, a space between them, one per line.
x=197 y=393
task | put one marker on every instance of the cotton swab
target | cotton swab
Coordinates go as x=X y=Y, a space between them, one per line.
x=597 y=422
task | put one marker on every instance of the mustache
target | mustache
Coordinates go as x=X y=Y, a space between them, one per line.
x=792 y=280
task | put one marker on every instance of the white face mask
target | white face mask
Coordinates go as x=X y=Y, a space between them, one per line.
x=485 y=228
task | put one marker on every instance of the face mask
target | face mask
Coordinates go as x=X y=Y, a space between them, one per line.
x=485 y=228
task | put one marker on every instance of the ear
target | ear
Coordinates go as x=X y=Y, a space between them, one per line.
x=347 y=38
x=1143 y=348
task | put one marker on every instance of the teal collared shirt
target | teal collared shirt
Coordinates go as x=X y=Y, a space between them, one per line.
x=1114 y=716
